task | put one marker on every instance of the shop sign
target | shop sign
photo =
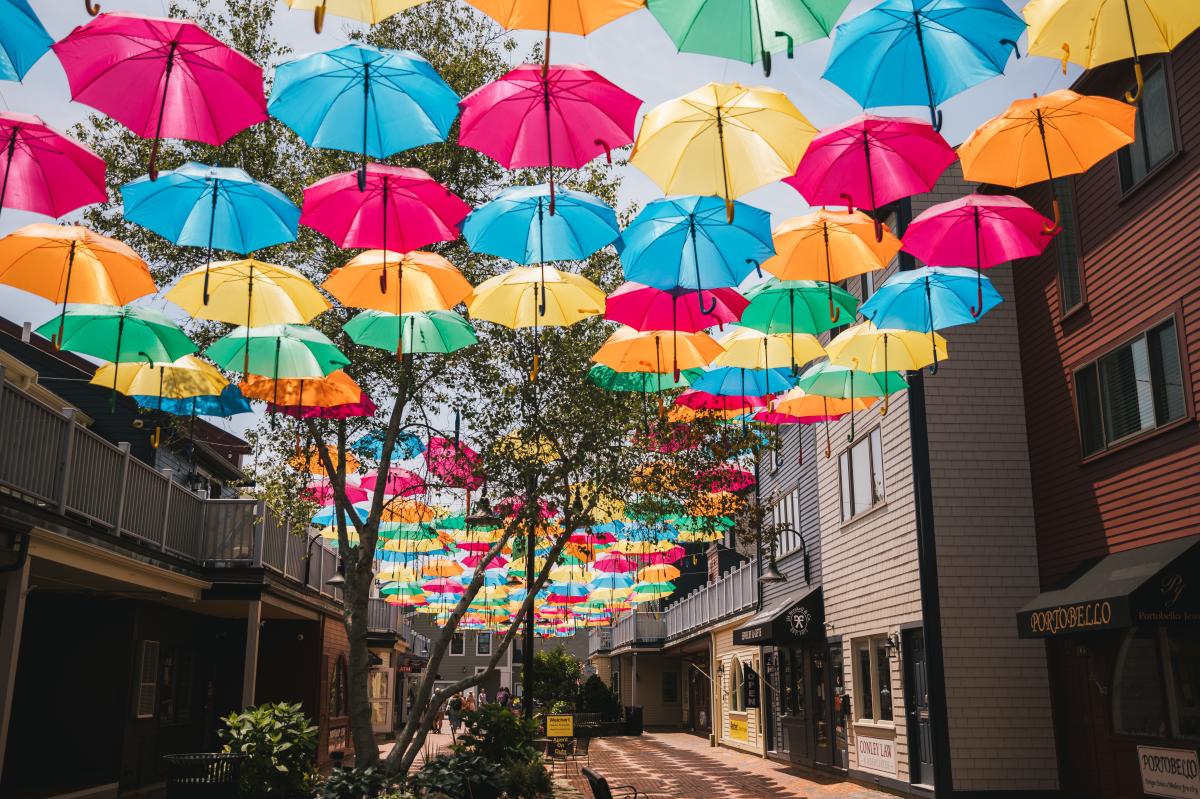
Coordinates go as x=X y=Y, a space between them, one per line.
x=739 y=730
x=799 y=620
x=1172 y=773
x=750 y=685
x=877 y=754
x=560 y=726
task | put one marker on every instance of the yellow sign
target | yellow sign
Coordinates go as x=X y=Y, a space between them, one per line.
x=560 y=726
x=738 y=730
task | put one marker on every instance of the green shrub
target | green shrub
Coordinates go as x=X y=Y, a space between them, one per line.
x=498 y=735
x=355 y=783
x=279 y=744
x=556 y=675
x=597 y=697
x=460 y=775
x=562 y=706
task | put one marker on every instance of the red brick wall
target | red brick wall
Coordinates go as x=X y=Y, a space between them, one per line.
x=335 y=730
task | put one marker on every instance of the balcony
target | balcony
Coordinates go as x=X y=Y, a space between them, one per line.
x=734 y=593
x=639 y=629
x=599 y=640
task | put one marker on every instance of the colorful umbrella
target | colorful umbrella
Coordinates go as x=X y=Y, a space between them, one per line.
x=747 y=348
x=722 y=139
x=277 y=351
x=397 y=482
x=724 y=403
x=162 y=78
x=311 y=461
x=609 y=379
x=873 y=349
x=398 y=284
x=979 y=230
x=1061 y=133
x=44 y=171
x=522 y=225
x=629 y=350
x=563 y=16
x=424 y=331
x=349 y=99
x=647 y=308
x=229 y=402
x=841 y=382
x=796 y=306
x=336 y=388
x=454 y=463
x=372 y=11
x=23 y=39
x=733 y=381
x=184 y=378
x=322 y=493
x=248 y=292
x=922 y=52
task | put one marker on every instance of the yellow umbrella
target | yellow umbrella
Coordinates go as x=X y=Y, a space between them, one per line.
x=249 y=292
x=409 y=511
x=535 y=296
x=186 y=377
x=398 y=284
x=629 y=350
x=372 y=11
x=1095 y=32
x=515 y=446
x=413 y=545
x=396 y=574
x=658 y=573
x=442 y=567
x=746 y=348
x=719 y=503
x=1041 y=138
x=606 y=509
x=872 y=349
x=724 y=139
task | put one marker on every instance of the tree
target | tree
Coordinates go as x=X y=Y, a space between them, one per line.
x=556 y=675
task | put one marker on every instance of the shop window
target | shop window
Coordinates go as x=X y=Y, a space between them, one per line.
x=1066 y=249
x=861 y=472
x=670 y=687
x=1185 y=679
x=483 y=644
x=1154 y=131
x=147 y=693
x=338 y=705
x=737 y=687
x=873 y=680
x=1139 y=698
x=1135 y=388
x=615 y=678
x=458 y=644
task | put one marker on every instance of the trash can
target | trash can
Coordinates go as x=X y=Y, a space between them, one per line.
x=203 y=775
x=633 y=720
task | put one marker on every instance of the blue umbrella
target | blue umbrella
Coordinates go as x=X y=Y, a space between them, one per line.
x=216 y=207
x=230 y=402
x=23 y=39
x=370 y=445
x=363 y=99
x=731 y=381
x=328 y=514
x=689 y=242
x=922 y=52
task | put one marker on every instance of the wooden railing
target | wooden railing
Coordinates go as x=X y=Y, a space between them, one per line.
x=639 y=628
x=734 y=593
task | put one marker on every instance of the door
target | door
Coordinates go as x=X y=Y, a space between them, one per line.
x=841 y=709
x=916 y=703
x=770 y=699
x=380 y=685
x=822 y=709
x=699 y=700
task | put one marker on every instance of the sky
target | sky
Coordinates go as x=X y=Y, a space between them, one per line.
x=633 y=52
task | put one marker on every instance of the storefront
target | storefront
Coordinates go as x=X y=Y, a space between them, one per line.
x=1123 y=645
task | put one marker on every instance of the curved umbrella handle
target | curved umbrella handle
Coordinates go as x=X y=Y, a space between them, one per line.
x=884 y=410
x=319 y=18
x=1013 y=45
x=700 y=302
x=607 y=149
x=757 y=266
x=935 y=118
x=976 y=309
x=933 y=367
x=766 y=62
x=878 y=224
x=849 y=202
x=850 y=435
x=1066 y=56
x=1050 y=230
x=1133 y=97
x=92 y=8
x=156 y=437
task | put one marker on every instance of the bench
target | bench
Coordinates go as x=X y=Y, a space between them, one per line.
x=602 y=790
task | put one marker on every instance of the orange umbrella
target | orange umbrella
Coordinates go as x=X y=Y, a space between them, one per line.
x=563 y=16
x=311 y=462
x=629 y=350
x=399 y=284
x=1041 y=138
x=335 y=388
x=409 y=511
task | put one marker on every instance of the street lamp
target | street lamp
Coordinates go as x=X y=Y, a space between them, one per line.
x=483 y=515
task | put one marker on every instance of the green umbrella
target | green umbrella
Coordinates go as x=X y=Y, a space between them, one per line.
x=796 y=306
x=644 y=382
x=745 y=30
x=424 y=331
x=824 y=379
x=278 y=351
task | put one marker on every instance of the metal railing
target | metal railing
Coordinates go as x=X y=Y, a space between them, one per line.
x=599 y=639
x=734 y=593
x=638 y=629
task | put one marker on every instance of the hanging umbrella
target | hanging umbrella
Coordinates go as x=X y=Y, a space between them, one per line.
x=311 y=461
x=748 y=348
x=513 y=299
x=349 y=98
x=647 y=308
x=154 y=383
x=1095 y=32
x=372 y=11
x=334 y=389
x=723 y=139
x=277 y=351
x=1062 y=133
x=580 y=17
x=41 y=170
x=609 y=379
x=796 y=306
x=424 y=331
x=535 y=116
x=872 y=161
x=454 y=463
x=726 y=404
x=830 y=246
x=322 y=493
x=248 y=292
x=162 y=78
x=978 y=230
x=745 y=30
x=734 y=381
x=407 y=445
x=519 y=225
x=841 y=382
x=229 y=402
x=873 y=349
x=214 y=207
x=402 y=206
x=361 y=407
x=397 y=482
x=629 y=350
x=23 y=39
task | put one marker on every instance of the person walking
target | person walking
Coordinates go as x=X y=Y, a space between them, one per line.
x=454 y=711
x=503 y=697
x=469 y=704
x=482 y=698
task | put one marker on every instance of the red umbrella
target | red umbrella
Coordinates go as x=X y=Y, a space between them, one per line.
x=163 y=77
x=646 y=308
x=399 y=483
x=703 y=401
x=724 y=478
x=402 y=203
x=43 y=171
x=322 y=493
x=364 y=407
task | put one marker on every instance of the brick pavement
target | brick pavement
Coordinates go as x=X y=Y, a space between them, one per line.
x=675 y=765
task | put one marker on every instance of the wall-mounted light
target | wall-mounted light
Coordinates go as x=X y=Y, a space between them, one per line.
x=893 y=645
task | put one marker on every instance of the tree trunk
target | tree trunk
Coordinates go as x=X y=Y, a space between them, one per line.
x=356 y=592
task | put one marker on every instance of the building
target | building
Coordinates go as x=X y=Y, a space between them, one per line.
x=1108 y=319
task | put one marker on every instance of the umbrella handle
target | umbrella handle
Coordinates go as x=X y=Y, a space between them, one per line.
x=757 y=266
x=791 y=43
x=362 y=177
x=933 y=367
x=1066 y=56
x=537 y=365
x=766 y=62
x=700 y=301
x=1013 y=45
x=977 y=309
x=849 y=202
x=729 y=210
x=878 y=224
x=319 y=18
x=1050 y=230
x=156 y=437
x=153 y=166
x=607 y=149
x=92 y=8
x=935 y=119
x=1133 y=97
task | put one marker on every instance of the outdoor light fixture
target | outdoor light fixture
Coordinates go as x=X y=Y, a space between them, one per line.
x=893 y=645
x=771 y=573
x=483 y=515
x=338 y=579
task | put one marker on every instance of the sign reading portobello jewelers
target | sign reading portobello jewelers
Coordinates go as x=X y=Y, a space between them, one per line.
x=1079 y=617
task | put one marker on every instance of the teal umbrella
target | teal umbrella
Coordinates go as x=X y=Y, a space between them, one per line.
x=278 y=351
x=642 y=382
x=424 y=331
x=796 y=306
x=824 y=379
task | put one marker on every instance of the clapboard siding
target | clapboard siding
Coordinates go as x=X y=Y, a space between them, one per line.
x=1140 y=263
x=797 y=472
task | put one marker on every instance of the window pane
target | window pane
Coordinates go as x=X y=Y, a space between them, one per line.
x=862 y=667
x=1138 y=704
x=883 y=666
x=1066 y=248
x=1154 y=134
x=844 y=470
x=876 y=465
x=1087 y=394
x=1185 y=670
x=457 y=644
x=1167 y=373
x=860 y=468
x=483 y=643
x=1125 y=392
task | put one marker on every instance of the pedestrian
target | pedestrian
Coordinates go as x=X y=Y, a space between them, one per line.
x=503 y=697
x=469 y=703
x=455 y=709
x=408 y=704
x=482 y=698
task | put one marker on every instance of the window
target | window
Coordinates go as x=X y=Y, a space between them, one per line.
x=1139 y=706
x=458 y=644
x=866 y=286
x=737 y=687
x=337 y=688
x=861 y=471
x=787 y=511
x=615 y=678
x=1154 y=134
x=670 y=687
x=147 y=692
x=1066 y=249
x=873 y=680
x=483 y=643
x=1135 y=388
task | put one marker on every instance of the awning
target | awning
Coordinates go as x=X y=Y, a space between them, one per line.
x=1155 y=584
x=796 y=619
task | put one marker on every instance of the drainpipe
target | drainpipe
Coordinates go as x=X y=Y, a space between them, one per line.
x=931 y=608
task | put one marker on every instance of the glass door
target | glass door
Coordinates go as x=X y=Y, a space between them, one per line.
x=822 y=708
x=841 y=709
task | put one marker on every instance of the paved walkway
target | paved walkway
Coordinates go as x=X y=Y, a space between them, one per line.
x=675 y=765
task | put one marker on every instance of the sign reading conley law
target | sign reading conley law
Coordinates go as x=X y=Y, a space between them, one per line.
x=739 y=730
x=560 y=726
x=1173 y=773
x=877 y=754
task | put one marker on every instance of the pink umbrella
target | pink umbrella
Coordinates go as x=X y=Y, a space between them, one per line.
x=614 y=564
x=980 y=231
x=163 y=77
x=775 y=417
x=457 y=465
x=548 y=116
x=45 y=171
x=657 y=558
x=322 y=493
x=703 y=401
x=498 y=562
x=364 y=407
x=871 y=161
x=724 y=478
x=444 y=585
x=646 y=308
x=403 y=202
x=588 y=538
x=512 y=506
x=398 y=483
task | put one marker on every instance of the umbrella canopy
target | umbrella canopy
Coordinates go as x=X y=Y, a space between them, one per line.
x=41 y=170
x=349 y=98
x=747 y=348
x=548 y=116
x=872 y=161
x=229 y=402
x=162 y=78
x=322 y=493
x=745 y=30
x=918 y=52
x=397 y=482
x=629 y=350
x=363 y=406
x=400 y=205
x=311 y=462
x=336 y=388
x=563 y=16
x=277 y=351
x=120 y=333
x=23 y=39
x=609 y=379
x=723 y=139
x=928 y=299
x=372 y=11
x=512 y=299
x=796 y=306
x=424 y=331
x=647 y=308
x=873 y=349
x=1041 y=138
x=454 y=463
x=826 y=379
x=800 y=404
x=531 y=225
x=248 y=292
x=180 y=379
x=732 y=381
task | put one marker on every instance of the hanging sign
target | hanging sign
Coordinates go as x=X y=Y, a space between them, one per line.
x=1173 y=773
x=750 y=686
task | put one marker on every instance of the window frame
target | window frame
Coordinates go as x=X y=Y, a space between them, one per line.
x=870 y=645
x=1065 y=311
x=1162 y=63
x=149 y=657
x=458 y=637
x=1173 y=314
x=847 y=475
x=480 y=637
x=737 y=683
